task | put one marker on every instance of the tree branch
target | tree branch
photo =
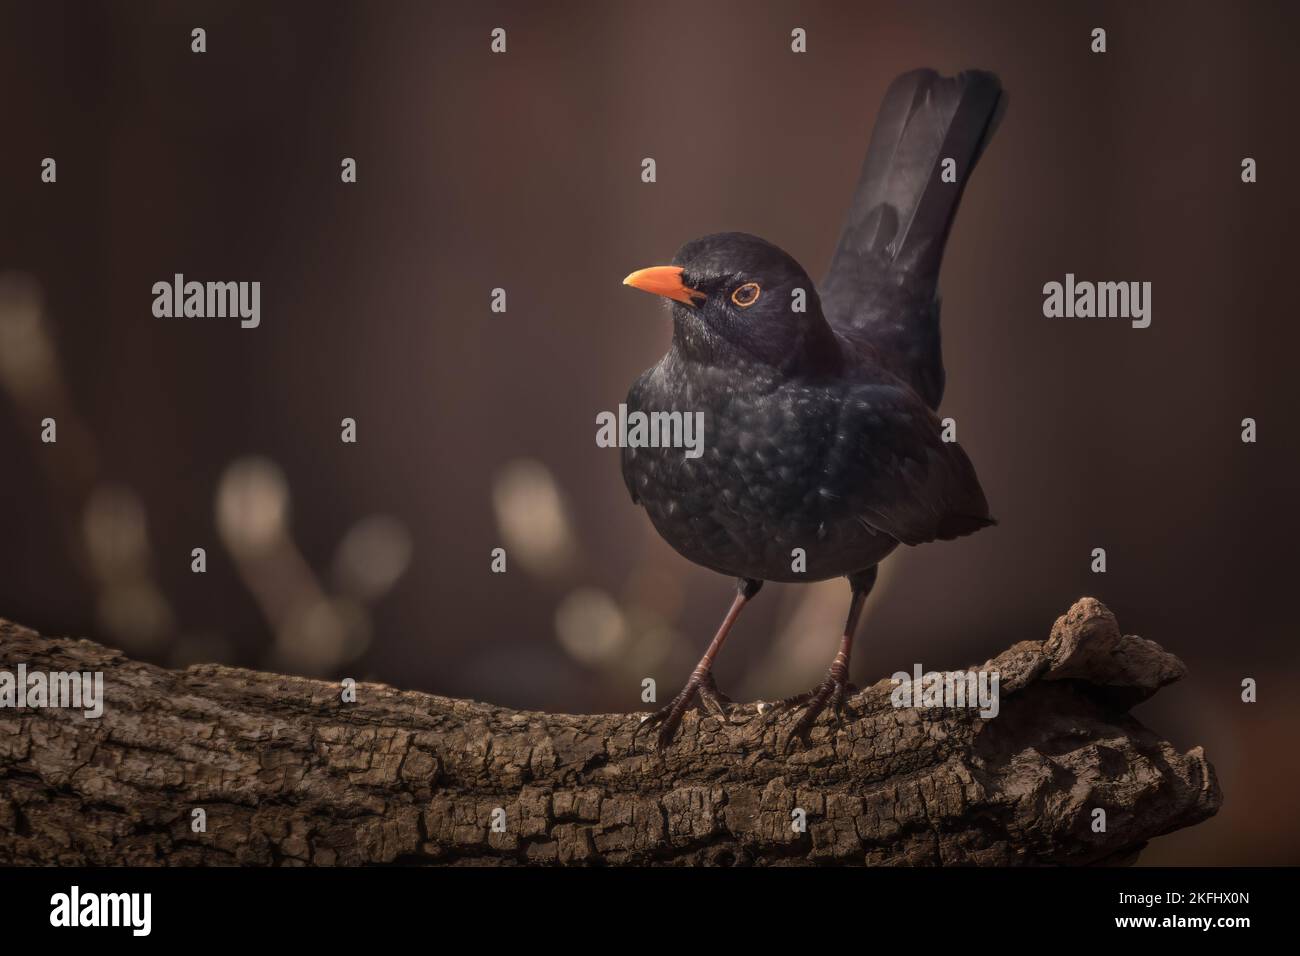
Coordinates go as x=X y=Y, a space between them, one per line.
x=286 y=772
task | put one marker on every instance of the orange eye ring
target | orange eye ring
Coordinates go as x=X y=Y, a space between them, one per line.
x=746 y=295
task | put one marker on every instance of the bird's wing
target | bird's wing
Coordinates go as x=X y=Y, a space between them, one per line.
x=892 y=471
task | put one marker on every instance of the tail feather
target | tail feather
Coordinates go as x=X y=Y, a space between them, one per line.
x=881 y=288
x=902 y=210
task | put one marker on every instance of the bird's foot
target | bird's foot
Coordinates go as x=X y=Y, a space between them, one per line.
x=832 y=692
x=700 y=691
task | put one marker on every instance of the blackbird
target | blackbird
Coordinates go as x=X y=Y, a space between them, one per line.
x=818 y=402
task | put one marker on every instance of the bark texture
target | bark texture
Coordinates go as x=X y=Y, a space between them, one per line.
x=287 y=773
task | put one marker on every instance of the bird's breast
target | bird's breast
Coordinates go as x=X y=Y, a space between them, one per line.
x=754 y=502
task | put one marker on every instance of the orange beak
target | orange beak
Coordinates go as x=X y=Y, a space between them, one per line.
x=665 y=281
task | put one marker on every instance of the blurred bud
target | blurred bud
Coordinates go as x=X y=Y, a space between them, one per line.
x=371 y=557
x=651 y=641
x=26 y=352
x=252 y=505
x=532 y=518
x=114 y=527
x=322 y=636
x=590 y=626
x=136 y=614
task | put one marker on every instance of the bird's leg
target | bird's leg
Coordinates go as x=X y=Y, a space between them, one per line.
x=701 y=685
x=835 y=687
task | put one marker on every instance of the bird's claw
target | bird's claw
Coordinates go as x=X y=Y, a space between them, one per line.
x=832 y=692
x=702 y=693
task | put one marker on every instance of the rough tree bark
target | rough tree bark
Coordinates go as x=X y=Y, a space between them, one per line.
x=289 y=774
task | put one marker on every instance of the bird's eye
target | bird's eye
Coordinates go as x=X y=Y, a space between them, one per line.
x=746 y=295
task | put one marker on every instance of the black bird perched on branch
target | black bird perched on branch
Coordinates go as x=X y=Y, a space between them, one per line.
x=818 y=404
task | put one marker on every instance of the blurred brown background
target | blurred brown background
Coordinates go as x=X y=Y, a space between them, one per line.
x=476 y=430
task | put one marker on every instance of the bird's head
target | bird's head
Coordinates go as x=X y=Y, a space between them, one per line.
x=738 y=297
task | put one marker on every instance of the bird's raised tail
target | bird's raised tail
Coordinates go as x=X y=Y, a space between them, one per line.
x=902 y=208
x=893 y=239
